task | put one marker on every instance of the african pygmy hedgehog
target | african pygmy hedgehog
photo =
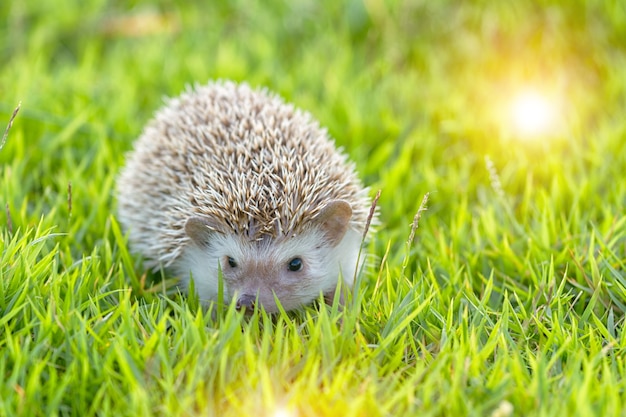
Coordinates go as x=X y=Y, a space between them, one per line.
x=226 y=177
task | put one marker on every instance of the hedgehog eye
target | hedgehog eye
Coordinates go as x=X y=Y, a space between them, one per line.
x=295 y=264
x=231 y=262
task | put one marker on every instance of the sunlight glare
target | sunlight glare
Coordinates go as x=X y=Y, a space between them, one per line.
x=533 y=113
x=282 y=412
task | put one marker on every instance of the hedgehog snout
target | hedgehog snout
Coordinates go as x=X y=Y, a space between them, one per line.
x=246 y=301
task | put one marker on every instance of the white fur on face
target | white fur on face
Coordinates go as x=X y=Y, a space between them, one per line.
x=262 y=268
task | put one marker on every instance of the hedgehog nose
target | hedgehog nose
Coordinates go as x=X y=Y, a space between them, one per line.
x=245 y=301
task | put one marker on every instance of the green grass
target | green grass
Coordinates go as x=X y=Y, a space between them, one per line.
x=509 y=301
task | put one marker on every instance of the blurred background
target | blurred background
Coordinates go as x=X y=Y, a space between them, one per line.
x=510 y=114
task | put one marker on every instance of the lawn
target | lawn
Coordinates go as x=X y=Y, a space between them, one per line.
x=506 y=298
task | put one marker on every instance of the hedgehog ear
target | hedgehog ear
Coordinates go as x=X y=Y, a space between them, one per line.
x=334 y=220
x=200 y=229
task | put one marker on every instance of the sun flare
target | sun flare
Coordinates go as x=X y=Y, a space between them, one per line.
x=283 y=412
x=533 y=113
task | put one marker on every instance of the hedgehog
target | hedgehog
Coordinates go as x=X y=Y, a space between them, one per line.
x=229 y=182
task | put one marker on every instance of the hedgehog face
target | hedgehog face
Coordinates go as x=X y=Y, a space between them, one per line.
x=293 y=269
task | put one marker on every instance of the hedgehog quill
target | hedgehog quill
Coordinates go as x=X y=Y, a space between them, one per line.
x=231 y=178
